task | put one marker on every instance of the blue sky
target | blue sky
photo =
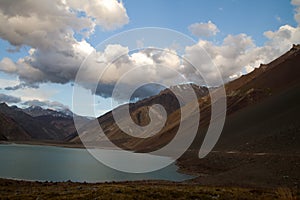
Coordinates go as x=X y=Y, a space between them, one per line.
x=231 y=17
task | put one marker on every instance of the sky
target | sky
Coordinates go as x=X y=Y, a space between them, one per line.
x=44 y=43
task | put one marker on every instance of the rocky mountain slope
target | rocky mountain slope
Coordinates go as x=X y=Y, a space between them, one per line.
x=36 y=129
x=140 y=115
x=37 y=111
x=260 y=142
x=35 y=123
x=10 y=130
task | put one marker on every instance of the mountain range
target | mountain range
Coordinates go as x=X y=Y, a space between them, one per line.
x=35 y=124
x=259 y=144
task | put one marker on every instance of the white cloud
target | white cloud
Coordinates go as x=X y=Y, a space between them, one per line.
x=204 y=29
x=278 y=18
x=8 y=83
x=238 y=54
x=229 y=57
x=109 y=14
x=297 y=15
x=9 y=99
x=48 y=27
x=283 y=37
x=7 y=66
x=28 y=94
x=116 y=61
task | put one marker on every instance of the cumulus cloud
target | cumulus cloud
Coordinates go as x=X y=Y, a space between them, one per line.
x=9 y=99
x=297 y=15
x=109 y=14
x=238 y=54
x=116 y=61
x=48 y=27
x=283 y=37
x=204 y=29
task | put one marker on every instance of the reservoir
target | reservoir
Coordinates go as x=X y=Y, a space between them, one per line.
x=49 y=163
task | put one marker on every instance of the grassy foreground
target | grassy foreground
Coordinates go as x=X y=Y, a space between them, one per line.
x=11 y=189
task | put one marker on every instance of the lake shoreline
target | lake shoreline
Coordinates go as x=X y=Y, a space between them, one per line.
x=181 y=169
x=85 y=166
x=187 y=166
x=46 y=143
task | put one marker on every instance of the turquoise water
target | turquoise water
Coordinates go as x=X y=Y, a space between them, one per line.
x=46 y=163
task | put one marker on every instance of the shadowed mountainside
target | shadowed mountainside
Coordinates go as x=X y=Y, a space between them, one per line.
x=9 y=129
x=260 y=142
x=35 y=124
x=140 y=115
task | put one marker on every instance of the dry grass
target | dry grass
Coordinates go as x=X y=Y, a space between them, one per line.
x=286 y=194
x=133 y=190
